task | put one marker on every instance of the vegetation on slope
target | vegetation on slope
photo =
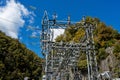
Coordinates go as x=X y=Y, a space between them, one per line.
x=104 y=37
x=16 y=61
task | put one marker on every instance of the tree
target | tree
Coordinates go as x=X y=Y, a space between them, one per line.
x=16 y=61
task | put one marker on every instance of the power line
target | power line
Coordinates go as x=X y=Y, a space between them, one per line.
x=9 y=20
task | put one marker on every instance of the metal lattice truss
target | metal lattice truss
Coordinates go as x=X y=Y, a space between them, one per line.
x=61 y=58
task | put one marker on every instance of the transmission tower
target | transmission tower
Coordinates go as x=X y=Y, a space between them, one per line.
x=61 y=58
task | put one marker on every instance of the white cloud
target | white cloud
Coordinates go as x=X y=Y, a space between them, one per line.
x=11 y=17
x=57 y=32
x=34 y=34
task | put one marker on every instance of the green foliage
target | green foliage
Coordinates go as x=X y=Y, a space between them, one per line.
x=117 y=71
x=82 y=65
x=78 y=35
x=117 y=50
x=105 y=36
x=59 y=38
x=102 y=54
x=16 y=61
x=70 y=33
x=93 y=21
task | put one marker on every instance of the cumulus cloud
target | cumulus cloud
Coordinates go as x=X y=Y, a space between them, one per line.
x=11 y=17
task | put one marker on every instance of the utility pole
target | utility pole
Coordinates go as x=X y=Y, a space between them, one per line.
x=90 y=52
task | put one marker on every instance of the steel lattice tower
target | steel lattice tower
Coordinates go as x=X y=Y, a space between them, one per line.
x=61 y=57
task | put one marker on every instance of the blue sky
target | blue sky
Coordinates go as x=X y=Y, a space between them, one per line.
x=108 y=11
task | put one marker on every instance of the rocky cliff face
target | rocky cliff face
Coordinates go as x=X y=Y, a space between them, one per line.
x=110 y=63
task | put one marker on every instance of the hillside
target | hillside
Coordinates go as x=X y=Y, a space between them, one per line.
x=107 y=43
x=16 y=61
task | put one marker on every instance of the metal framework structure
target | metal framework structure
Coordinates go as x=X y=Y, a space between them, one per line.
x=61 y=57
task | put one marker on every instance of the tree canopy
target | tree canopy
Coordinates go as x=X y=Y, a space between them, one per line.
x=16 y=61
